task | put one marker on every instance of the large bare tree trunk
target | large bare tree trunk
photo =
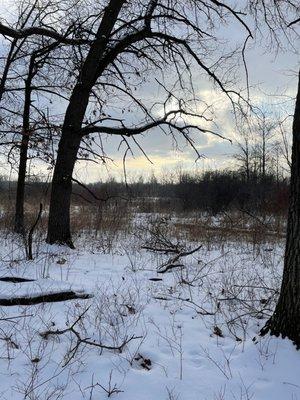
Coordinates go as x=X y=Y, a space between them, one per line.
x=59 y=213
x=286 y=318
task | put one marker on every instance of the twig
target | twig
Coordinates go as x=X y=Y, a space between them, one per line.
x=30 y=234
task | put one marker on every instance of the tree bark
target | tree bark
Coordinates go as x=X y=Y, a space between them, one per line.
x=285 y=321
x=4 y=76
x=59 y=214
x=20 y=196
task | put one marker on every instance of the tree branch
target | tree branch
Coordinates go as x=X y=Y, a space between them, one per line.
x=40 y=31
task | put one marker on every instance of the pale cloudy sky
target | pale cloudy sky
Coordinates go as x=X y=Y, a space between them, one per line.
x=269 y=75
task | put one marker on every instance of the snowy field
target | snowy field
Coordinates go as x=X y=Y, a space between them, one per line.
x=189 y=333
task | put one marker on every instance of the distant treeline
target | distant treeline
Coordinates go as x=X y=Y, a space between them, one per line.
x=212 y=192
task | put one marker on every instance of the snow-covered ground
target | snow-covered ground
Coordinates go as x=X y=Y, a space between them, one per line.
x=187 y=334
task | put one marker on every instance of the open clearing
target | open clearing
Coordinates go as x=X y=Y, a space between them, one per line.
x=189 y=333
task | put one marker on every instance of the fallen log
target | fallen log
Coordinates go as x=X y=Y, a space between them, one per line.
x=43 y=298
x=15 y=279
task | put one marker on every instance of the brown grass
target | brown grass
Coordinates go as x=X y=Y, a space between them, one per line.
x=114 y=219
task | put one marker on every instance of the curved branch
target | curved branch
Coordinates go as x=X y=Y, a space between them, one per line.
x=40 y=31
x=234 y=13
x=294 y=22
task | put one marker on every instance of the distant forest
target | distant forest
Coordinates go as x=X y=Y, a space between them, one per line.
x=212 y=192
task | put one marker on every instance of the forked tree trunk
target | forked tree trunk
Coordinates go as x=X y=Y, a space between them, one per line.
x=59 y=214
x=20 y=196
x=286 y=318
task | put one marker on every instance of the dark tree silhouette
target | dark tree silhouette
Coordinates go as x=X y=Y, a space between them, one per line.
x=19 y=213
x=159 y=34
x=36 y=61
x=26 y=78
x=285 y=320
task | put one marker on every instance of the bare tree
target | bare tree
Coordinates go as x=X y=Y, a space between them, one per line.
x=244 y=155
x=265 y=131
x=134 y=39
x=36 y=61
x=28 y=82
x=285 y=320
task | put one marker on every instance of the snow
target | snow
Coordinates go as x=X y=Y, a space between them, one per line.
x=193 y=356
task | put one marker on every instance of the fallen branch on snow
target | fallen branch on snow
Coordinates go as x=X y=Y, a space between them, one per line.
x=173 y=261
x=87 y=341
x=43 y=298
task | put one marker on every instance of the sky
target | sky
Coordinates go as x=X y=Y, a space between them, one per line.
x=270 y=76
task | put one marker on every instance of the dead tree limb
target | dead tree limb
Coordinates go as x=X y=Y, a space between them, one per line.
x=79 y=340
x=173 y=261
